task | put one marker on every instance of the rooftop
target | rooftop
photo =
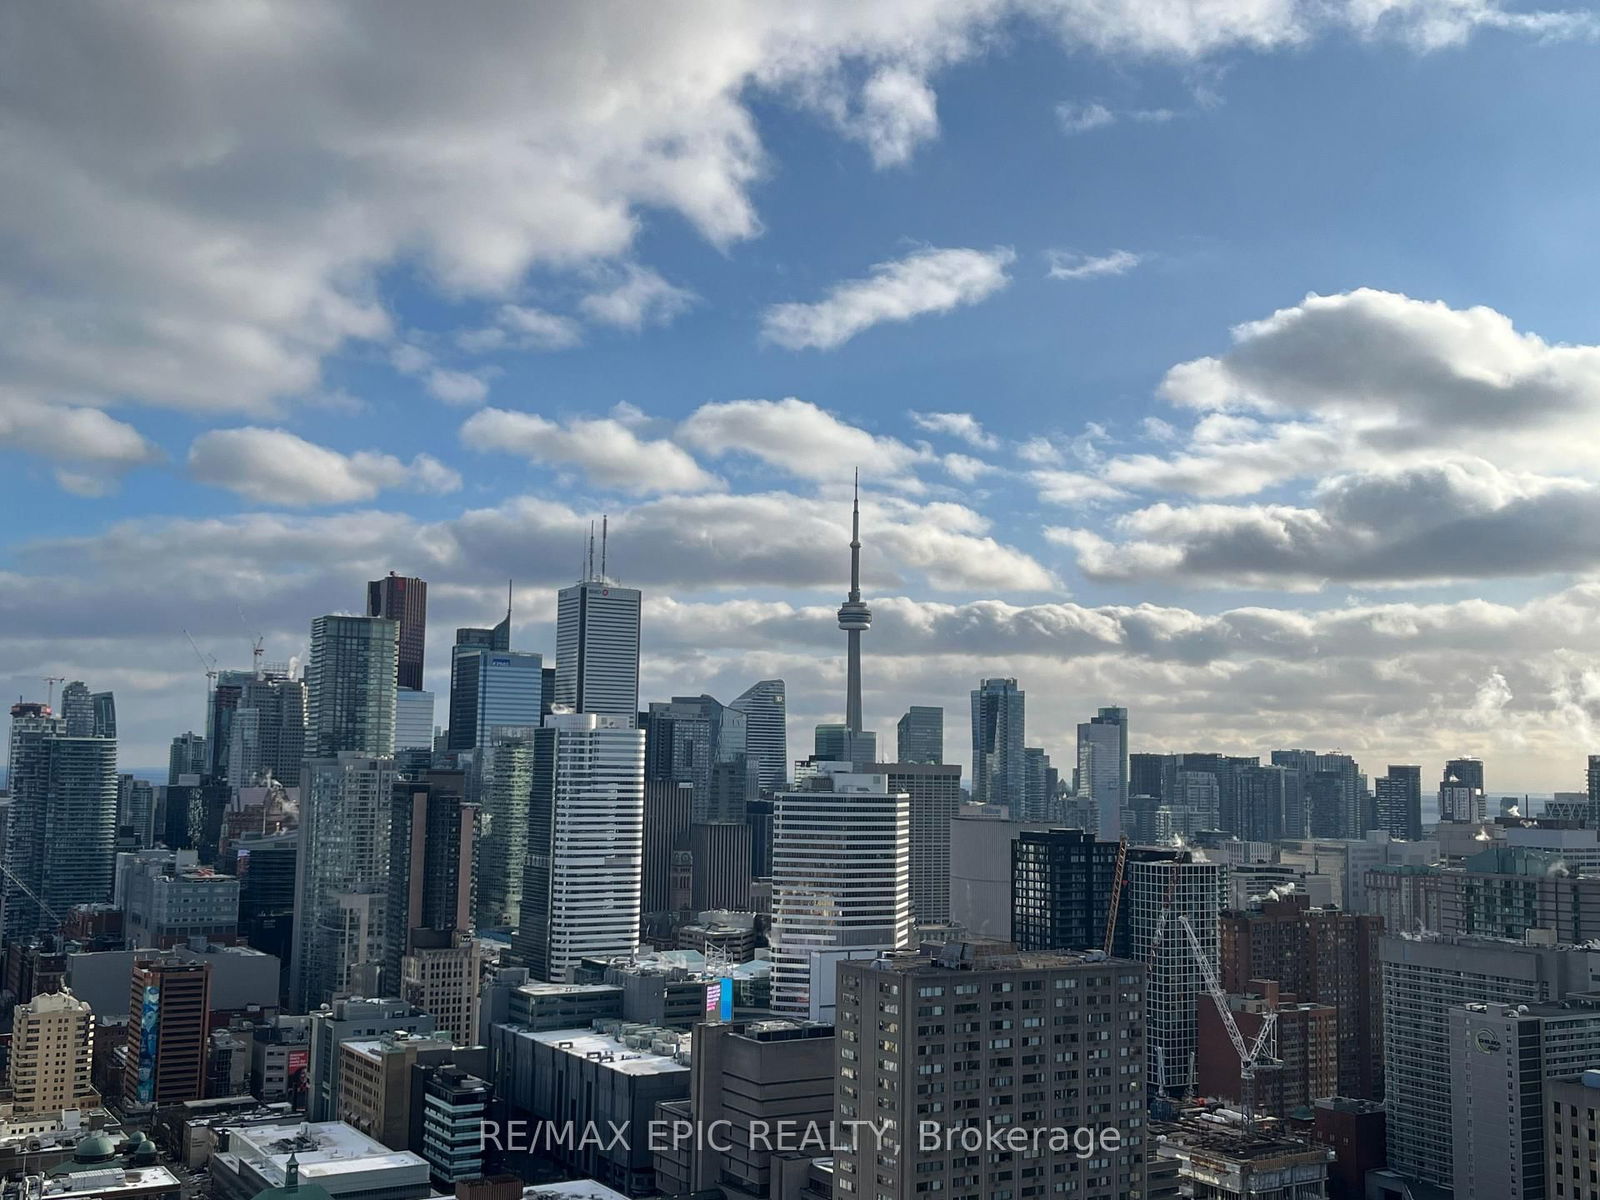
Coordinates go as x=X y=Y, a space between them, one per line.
x=324 y=1150
x=615 y=1053
x=577 y=1189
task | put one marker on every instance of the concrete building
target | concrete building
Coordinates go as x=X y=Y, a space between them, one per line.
x=1423 y=979
x=1221 y=1163
x=1027 y=1070
x=1346 y=861
x=403 y=600
x=340 y=1022
x=1501 y=1055
x=607 y=1078
x=1572 y=1128
x=350 y=686
x=510 y=998
x=981 y=871
x=342 y=877
x=280 y=1060
x=433 y=838
x=168 y=902
x=453 y=1105
x=720 y=872
x=841 y=883
x=920 y=735
x=52 y=1050
x=1061 y=884
x=1321 y=955
x=375 y=1083
x=266 y=732
x=747 y=1078
x=1158 y=894
x=581 y=885
x=241 y=977
x=440 y=974
x=999 y=717
x=934 y=790
x=347 y=1164
x=169 y=1018
x=1398 y=796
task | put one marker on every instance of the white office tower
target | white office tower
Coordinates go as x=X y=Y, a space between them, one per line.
x=585 y=852
x=341 y=877
x=1103 y=769
x=766 y=731
x=1159 y=893
x=841 y=883
x=350 y=688
x=597 y=649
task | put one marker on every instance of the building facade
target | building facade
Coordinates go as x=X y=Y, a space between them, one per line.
x=920 y=735
x=597 y=649
x=1103 y=768
x=998 y=729
x=404 y=601
x=52 y=1052
x=766 y=710
x=350 y=686
x=1159 y=893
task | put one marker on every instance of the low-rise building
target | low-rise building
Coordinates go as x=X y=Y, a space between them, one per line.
x=330 y=1154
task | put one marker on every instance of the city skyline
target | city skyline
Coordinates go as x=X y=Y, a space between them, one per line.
x=1067 y=285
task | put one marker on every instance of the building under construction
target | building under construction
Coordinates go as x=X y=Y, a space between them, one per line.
x=1220 y=1160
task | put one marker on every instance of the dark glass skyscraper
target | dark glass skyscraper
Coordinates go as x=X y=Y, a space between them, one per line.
x=1399 y=797
x=920 y=735
x=403 y=600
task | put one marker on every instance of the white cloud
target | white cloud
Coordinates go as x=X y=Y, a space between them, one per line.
x=273 y=466
x=638 y=298
x=1067 y=264
x=68 y=434
x=798 y=438
x=957 y=425
x=519 y=327
x=457 y=387
x=607 y=450
x=926 y=281
x=1073 y=488
x=966 y=468
x=1081 y=118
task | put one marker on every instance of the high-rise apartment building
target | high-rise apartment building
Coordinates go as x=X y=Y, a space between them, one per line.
x=1325 y=955
x=1500 y=1056
x=766 y=712
x=597 y=649
x=841 y=882
x=136 y=810
x=1159 y=893
x=1334 y=794
x=921 y=735
x=188 y=756
x=267 y=731
x=342 y=877
x=1572 y=1128
x=61 y=831
x=52 y=1052
x=77 y=710
x=433 y=839
x=1461 y=795
x=991 y=1040
x=222 y=701
x=696 y=740
x=489 y=688
x=503 y=770
x=1103 y=768
x=581 y=886
x=413 y=720
x=1423 y=979
x=998 y=720
x=934 y=790
x=350 y=686
x=1061 y=886
x=440 y=974
x=1398 y=796
x=404 y=601
x=1039 y=777
x=169 y=1014
x=104 y=708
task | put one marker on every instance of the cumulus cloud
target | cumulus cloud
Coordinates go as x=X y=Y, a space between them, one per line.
x=639 y=297
x=274 y=466
x=93 y=451
x=606 y=450
x=1067 y=264
x=798 y=438
x=519 y=327
x=957 y=425
x=926 y=281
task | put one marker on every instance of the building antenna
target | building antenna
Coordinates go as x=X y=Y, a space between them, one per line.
x=589 y=574
x=508 y=599
x=605 y=520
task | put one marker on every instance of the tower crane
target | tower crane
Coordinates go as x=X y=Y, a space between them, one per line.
x=1261 y=1055
x=50 y=682
x=32 y=895
x=1118 y=881
x=207 y=662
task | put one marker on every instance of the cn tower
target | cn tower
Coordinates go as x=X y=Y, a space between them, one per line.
x=854 y=616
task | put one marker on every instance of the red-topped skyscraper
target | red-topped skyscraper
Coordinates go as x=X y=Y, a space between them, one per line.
x=403 y=600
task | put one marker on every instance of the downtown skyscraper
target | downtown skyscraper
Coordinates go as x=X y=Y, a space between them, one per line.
x=998 y=772
x=1103 y=768
x=350 y=685
x=597 y=649
x=404 y=601
x=766 y=712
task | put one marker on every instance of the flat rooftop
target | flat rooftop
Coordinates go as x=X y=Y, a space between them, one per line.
x=614 y=1055
x=325 y=1149
x=577 y=1189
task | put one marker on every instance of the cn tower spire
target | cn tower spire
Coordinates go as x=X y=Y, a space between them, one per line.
x=854 y=616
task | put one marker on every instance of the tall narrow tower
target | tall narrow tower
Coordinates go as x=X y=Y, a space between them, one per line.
x=854 y=616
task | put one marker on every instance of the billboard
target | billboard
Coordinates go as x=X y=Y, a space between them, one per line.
x=149 y=1035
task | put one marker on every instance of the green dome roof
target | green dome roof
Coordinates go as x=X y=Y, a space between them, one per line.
x=93 y=1150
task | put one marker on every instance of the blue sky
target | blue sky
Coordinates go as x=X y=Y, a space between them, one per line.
x=692 y=270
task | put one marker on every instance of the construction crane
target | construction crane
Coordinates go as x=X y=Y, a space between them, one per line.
x=1258 y=1056
x=207 y=662
x=1118 y=881
x=50 y=682
x=32 y=895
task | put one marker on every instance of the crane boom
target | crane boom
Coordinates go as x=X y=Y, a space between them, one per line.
x=1251 y=1057
x=1116 y=892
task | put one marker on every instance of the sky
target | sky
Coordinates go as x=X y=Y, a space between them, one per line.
x=1233 y=361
